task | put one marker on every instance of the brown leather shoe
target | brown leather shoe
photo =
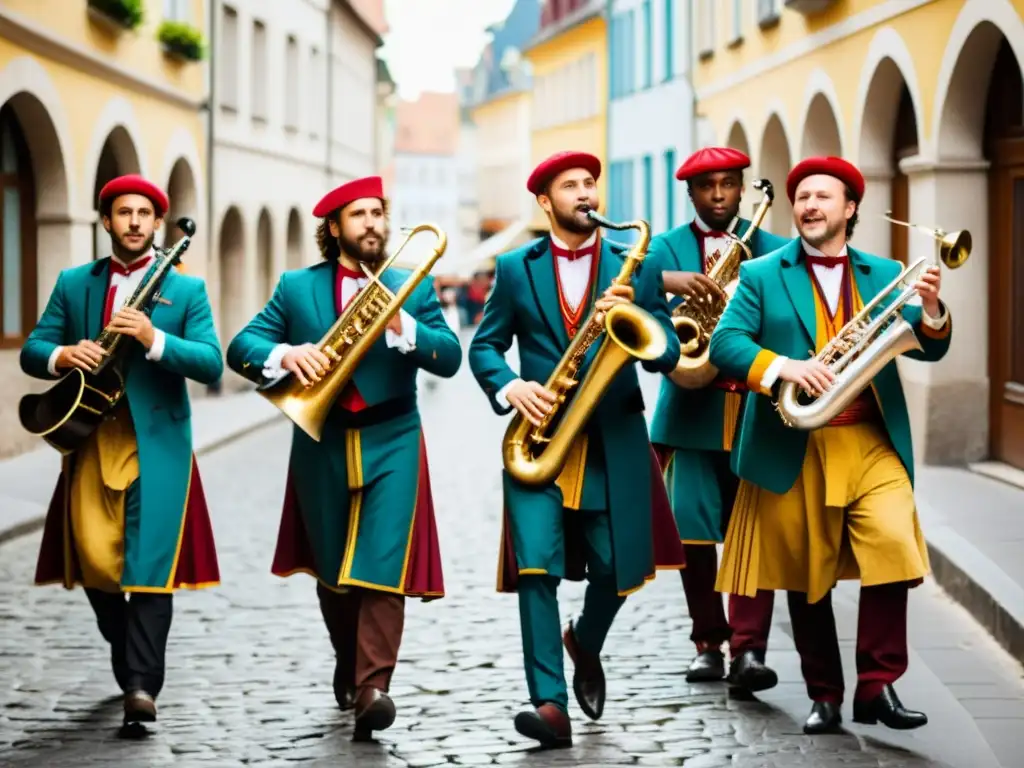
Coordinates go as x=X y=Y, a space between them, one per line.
x=375 y=711
x=588 y=681
x=139 y=707
x=547 y=724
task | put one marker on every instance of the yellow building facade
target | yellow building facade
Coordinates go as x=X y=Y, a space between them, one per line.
x=925 y=96
x=82 y=100
x=569 y=99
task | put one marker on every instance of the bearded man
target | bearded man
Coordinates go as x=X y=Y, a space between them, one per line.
x=606 y=517
x=358 y=513
x=130 y=542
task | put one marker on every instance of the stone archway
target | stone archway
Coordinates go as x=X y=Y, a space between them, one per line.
x=820 y=129
x=264 y=257
x=232 y=274
x=182 y=192
x=889 y=132
x=118 y=156
x=775 y=163
x=294 y=259
x=737 y=138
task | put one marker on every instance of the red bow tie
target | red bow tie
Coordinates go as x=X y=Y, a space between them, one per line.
x=826 y=261
x=116 y=268
x=565 y=253
x=709 y=233
x=344 y=271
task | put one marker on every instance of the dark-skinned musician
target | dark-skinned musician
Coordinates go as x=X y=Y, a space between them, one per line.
x=606 y=515
x=131 y=542
x=693 y=430
x=817 y=506
x=358 y=511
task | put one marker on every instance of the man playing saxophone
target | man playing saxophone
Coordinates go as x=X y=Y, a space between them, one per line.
x=130 y=543
x=606 y=515
x=837 y=502
x=693 y=429
x=358 y=512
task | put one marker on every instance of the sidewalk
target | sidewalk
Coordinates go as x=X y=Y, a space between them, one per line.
x=27 y=481
x=974 y=525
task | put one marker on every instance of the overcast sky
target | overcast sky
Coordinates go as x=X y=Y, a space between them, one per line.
x=430 y=38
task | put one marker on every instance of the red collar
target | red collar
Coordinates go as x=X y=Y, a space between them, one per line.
x=344 y=271
x=565 y=253
x=826 y=261
x=700 y=233
x=116 y=268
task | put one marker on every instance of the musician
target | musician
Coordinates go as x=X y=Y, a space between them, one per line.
x=358 y=512
x=837 y=502
x=693 y=429
x=130 y=543
x=606 y=515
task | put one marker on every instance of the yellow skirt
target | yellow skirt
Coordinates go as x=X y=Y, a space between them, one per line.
x=850 y=514
x=103 y=470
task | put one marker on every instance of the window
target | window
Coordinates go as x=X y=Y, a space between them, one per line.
x=737 y=22
x=228 y=58
x=292 y=84
x=630 y=51
x=767 y=12
x=258 y=72
x=316 y=93
x=669 y=24
x=649 y=189
x=705 y=23
x=670 y=188
x=177 y=10
x=17 y=234
x=648 y=51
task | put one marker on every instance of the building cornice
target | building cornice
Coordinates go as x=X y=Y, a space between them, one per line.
x=581 y=15
x=43 y=42
x=372 y=33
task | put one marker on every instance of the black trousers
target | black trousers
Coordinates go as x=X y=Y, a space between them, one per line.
x=136 y=626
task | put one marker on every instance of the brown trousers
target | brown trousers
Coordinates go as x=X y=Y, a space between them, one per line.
x=366 y=631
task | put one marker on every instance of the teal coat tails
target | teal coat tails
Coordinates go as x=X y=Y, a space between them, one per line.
x=773 y=314
x=694 y=418
x=524 y=306
x=173 y=545
x=358 y=508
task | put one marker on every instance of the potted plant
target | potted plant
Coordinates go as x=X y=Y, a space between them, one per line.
x=116 y=15
x=181 y=40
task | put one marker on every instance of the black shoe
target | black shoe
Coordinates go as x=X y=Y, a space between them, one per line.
x=749 y=672
x=707 y=667
x=887 y=708
x=546 y=724
x=375 y=711
x=344 y=693
x=139 y=707
x=825 y=717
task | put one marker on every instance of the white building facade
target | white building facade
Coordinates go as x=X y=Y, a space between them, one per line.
x=426 y=191
x=651 y=112
x=296 y=106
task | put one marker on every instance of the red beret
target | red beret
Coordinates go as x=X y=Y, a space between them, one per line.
x=711 y=159
x=546 y=170
x=830 y=166
x=136 y=185
x=371 y=186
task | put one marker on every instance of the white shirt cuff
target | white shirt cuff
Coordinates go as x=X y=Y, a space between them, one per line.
x=500 y=397
x=157 y=350
x=406 y=342
x=932 y=322
x=272 y=365
x=51 y=364
x=771 y=374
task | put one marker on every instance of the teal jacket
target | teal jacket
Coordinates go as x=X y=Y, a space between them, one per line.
x=694 y=418
x=772 y=313
x=156 y=393
x=302 y=310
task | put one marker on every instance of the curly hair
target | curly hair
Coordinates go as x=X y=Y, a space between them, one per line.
x=326 y=243
x=851 y=223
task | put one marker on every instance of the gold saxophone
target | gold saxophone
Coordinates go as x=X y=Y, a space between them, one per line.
x=532 y=456
x=695 y=319
x=348 y=340
x=865 y=345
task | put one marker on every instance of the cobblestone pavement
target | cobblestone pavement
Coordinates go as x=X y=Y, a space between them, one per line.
x=250 y=665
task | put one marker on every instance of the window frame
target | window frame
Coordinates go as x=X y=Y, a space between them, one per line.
x=24 y=180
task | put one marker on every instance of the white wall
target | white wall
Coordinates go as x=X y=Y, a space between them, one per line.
x=655 y=119
x=503 y=156
x=426 y=191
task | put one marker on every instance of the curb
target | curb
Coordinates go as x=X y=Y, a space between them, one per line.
x=36 y=523
x=980 y=586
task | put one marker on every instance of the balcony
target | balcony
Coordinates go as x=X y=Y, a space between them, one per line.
x=809 y=7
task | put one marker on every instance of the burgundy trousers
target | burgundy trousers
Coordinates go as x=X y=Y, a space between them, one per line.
x=750 y=618
x=881 y=642
x=366 y=631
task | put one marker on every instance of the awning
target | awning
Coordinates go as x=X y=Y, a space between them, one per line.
x=483 y=255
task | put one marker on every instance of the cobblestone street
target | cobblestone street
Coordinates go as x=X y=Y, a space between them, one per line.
x=249 y=679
